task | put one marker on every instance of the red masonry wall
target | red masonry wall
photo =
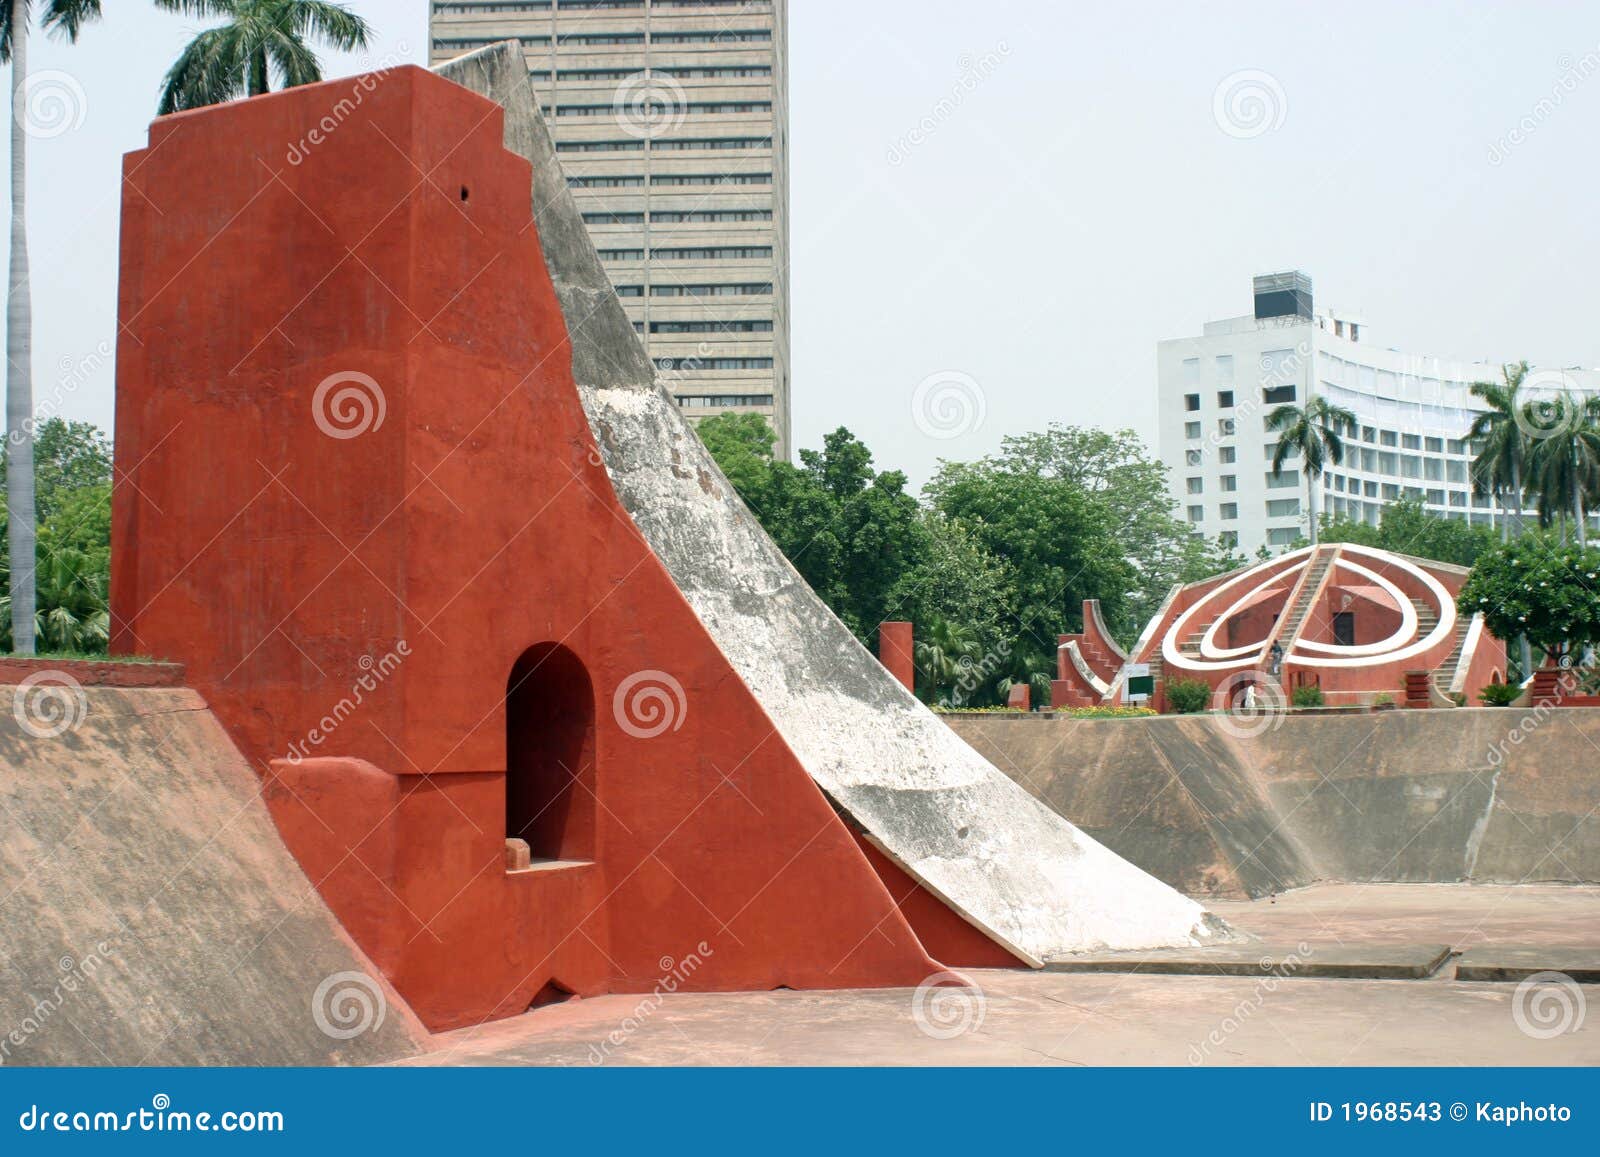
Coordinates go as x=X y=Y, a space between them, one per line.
x=359 y=489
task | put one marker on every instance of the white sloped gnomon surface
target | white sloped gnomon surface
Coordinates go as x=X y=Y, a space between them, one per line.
x=1004 y=861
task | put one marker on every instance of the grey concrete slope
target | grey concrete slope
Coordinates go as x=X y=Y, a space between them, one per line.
x=1009 y=865
x=1506 y=796
x=150 y=915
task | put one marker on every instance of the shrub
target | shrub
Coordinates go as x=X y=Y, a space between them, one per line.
x=1188 y=695
x=1383 y=699
x=1499 y=694
x=1308 y=697
x=1106 y=712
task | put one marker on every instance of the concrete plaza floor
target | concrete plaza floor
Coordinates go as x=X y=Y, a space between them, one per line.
x=1016 y=1017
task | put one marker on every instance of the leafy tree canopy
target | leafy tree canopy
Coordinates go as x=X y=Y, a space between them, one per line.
x=1535 y=586
x=72 y=472
x=1406 y=527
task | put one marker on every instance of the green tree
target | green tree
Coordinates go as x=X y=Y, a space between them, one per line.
x=851 y=532
x=1203 y=559
x=876 y=525
x=73 y=470
x=1074 y=514
x=1530 y=585
x=1311 y=433
x=956 y=580
x=1406 y=527
x=742 y=445
x=261 y=41
x=64 y=18
x=1500 y=465
x=1564 y=466
x=948 y=657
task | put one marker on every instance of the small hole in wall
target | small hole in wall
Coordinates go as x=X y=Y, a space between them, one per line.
x=464 y=193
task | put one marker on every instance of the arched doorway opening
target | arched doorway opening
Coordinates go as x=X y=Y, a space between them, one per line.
x=550 y=772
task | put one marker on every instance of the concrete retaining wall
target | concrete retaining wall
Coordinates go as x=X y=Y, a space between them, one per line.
x=150 y=914
x=1482 y=795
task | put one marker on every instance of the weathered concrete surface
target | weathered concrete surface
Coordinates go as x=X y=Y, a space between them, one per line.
x=1047 y=1018
x=1518 y=962
x=964 y=831
x=151 y=915
x=1464 y=916
x=1338 y=962
x=1506 y=796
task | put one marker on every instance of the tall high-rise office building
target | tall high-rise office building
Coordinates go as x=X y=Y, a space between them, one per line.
x=670 y=119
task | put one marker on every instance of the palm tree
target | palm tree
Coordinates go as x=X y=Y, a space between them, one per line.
x=946 y=658
x=262 y=40
x=1564 y=469
x=73 y=616
x=1313 y=433
x=65 y=18
x=1500 y=465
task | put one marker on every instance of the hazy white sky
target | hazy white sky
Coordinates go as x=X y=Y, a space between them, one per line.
x=1023 y=196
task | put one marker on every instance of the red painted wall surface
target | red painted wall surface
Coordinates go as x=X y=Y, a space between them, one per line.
x=352 y=589
x=896 y=652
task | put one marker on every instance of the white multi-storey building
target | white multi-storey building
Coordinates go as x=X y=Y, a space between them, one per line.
x=1412 y=414
x=671 y=121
